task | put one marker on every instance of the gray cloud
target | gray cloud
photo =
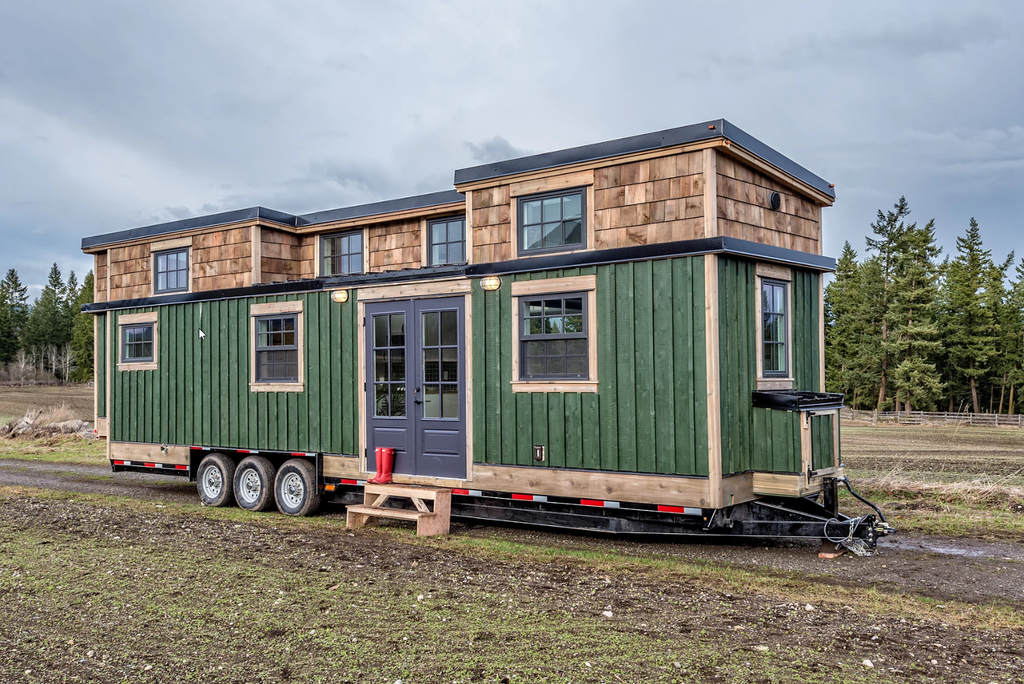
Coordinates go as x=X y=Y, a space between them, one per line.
x=494 y=149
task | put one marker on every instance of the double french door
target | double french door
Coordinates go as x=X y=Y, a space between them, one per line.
x=416 y=385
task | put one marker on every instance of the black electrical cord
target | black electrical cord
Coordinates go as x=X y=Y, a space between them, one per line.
x=881 y=516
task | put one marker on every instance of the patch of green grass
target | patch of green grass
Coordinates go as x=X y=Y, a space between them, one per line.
x=63 y=449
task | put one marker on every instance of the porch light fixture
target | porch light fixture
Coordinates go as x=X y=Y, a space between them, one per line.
x=491 y=283
x=340 y=296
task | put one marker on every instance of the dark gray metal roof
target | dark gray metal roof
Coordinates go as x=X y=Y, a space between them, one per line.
x=709 y=130
x=390 y=206
x=302 y=220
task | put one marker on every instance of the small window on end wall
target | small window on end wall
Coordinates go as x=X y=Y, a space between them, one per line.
x=446 y=241
x=553 y=337
x=552 y=222
x=342 y=254
x=170 y=271
x=775 y=338
x=137 y=343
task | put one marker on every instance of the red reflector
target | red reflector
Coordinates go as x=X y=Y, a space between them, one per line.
x=150 y=465
x=118 y=462
x=671 y=509
x=180 y=467
x=349 y=482
x=196 y=448
x=464 y=492
x=592 y=502
x=523 y=497
x=298 y=454
x=243 y=451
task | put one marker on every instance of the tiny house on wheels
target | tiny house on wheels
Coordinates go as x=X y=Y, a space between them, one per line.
x=625 y=336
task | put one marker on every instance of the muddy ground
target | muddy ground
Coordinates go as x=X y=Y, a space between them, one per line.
x=97 y=589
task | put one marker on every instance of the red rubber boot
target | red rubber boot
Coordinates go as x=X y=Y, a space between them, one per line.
x=385 y=462
x=376 y=459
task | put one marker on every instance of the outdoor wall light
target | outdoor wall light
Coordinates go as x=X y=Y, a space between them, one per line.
x=340 y=296
x=491 y=283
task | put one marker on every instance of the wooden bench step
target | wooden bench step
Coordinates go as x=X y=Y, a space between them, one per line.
x=406 y=491
x=396 y=513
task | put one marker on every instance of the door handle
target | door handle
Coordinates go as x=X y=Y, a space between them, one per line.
x=416 y=393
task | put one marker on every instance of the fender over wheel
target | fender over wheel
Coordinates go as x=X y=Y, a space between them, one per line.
x=215 y=480
x=254 y=483
x=295 y=488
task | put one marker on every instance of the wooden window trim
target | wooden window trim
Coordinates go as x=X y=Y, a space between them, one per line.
x=149 y=318
x=582 y=179
x=784 y=275
x=163 y=247
x=271 y=308
x=557 y=286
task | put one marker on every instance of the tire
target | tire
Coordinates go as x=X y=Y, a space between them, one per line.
x=215 y=480
x=254 y=484
x=295 y=488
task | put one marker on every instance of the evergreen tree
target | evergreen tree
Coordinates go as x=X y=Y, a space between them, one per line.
x=1013 y=338
x=889 y=230
x=911 y=319
x=840 y=309
x=69 y=300
x=970 y=317
x=47 y=322
x=13 y=298
x=82 y=333
x=8 y=340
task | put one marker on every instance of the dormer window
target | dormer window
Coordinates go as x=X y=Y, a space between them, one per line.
x=342 y=254
x=170 y=271
x=552 y=222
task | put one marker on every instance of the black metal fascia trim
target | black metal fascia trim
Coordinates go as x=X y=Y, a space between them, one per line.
x=708 y=130
x=209 y=221
x=263 y=290
x=713 y=245
x=389 y=277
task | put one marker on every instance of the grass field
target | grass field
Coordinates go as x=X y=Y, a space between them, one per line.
x=942 y=480
x=16 y=401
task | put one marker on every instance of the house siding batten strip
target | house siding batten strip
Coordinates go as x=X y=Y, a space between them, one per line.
x=714 y=394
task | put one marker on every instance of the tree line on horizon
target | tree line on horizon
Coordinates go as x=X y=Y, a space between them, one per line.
x=50 y=339
x=906 y=331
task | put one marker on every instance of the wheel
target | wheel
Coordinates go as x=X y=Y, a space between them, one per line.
x=295 y=488
x=216 y=473
x=254 y=483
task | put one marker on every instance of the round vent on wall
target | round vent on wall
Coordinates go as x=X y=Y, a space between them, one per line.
x=774 y=200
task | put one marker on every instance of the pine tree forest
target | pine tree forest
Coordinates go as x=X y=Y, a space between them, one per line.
x=49 y=340
x=909 y=328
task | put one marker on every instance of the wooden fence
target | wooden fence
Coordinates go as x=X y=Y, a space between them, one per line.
x=934 y=418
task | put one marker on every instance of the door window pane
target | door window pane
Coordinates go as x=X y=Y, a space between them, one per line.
x=389 y=364
x=440 y=356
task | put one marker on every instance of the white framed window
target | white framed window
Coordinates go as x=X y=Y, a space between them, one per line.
x=774 y=327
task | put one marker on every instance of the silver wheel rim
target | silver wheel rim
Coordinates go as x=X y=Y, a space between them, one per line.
x=293 y=491
x=213 y=482
x=251 y=486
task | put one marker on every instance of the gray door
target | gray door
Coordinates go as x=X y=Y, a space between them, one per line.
x=416 y=385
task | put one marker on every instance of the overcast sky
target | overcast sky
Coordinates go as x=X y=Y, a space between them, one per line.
x=120 y=114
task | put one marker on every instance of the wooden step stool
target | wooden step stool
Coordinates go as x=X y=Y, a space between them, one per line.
x=428 y=523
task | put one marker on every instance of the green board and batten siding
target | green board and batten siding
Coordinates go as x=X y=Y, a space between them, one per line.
x=101 y=365
x=761 y=439
x=649 y=414
x=199 y=394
